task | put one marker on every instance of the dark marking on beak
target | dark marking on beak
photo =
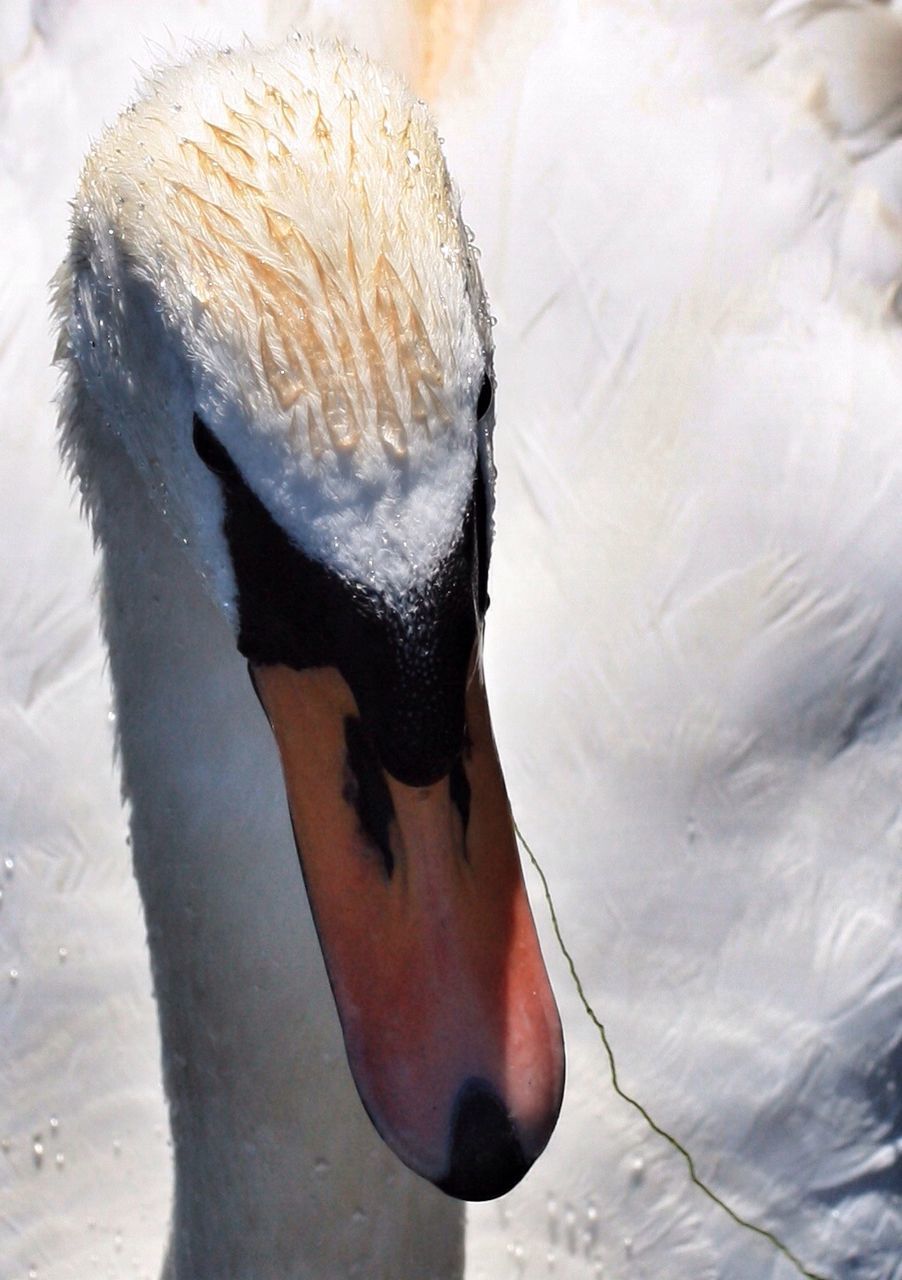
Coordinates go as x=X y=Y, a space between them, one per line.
x=486 y=1156
x=366 y=791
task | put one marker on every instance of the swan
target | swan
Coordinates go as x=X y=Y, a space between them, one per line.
x=277 y=363
x=698 y=380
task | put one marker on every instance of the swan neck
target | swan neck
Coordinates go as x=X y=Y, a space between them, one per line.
x=268 y=1133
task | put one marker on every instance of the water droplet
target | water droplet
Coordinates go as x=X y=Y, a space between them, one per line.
x=37 y=1150
x=9 y=866
x=359 y=1215
x=321 y=1167
x=628 y=1246
x=32 y=1272
x=413 y=158
x=63 y=954
x=570 y=1228
x=14 y=976
x=59 y=1160
x=54 y=1125
x=637 y=1170
x=6 y=1145
x=117 y=1146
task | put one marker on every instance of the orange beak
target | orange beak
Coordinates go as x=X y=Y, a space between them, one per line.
x=451 y=1029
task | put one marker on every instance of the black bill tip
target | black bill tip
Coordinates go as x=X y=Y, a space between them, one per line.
x=487 y=1159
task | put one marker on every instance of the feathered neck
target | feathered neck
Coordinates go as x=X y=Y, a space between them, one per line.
x=267 y=1130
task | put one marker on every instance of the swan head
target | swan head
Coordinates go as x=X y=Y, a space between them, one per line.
x=274 y=304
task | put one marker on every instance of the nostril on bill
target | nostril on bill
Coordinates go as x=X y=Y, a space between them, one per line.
x=487 y=1159
x=367 y=791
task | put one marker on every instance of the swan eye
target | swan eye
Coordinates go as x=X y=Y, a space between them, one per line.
x=212 y=454
x=486 y=395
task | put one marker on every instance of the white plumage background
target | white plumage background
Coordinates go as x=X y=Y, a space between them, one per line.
x=690 y=217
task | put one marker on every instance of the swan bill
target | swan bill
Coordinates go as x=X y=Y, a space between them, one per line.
x=450 y=1025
